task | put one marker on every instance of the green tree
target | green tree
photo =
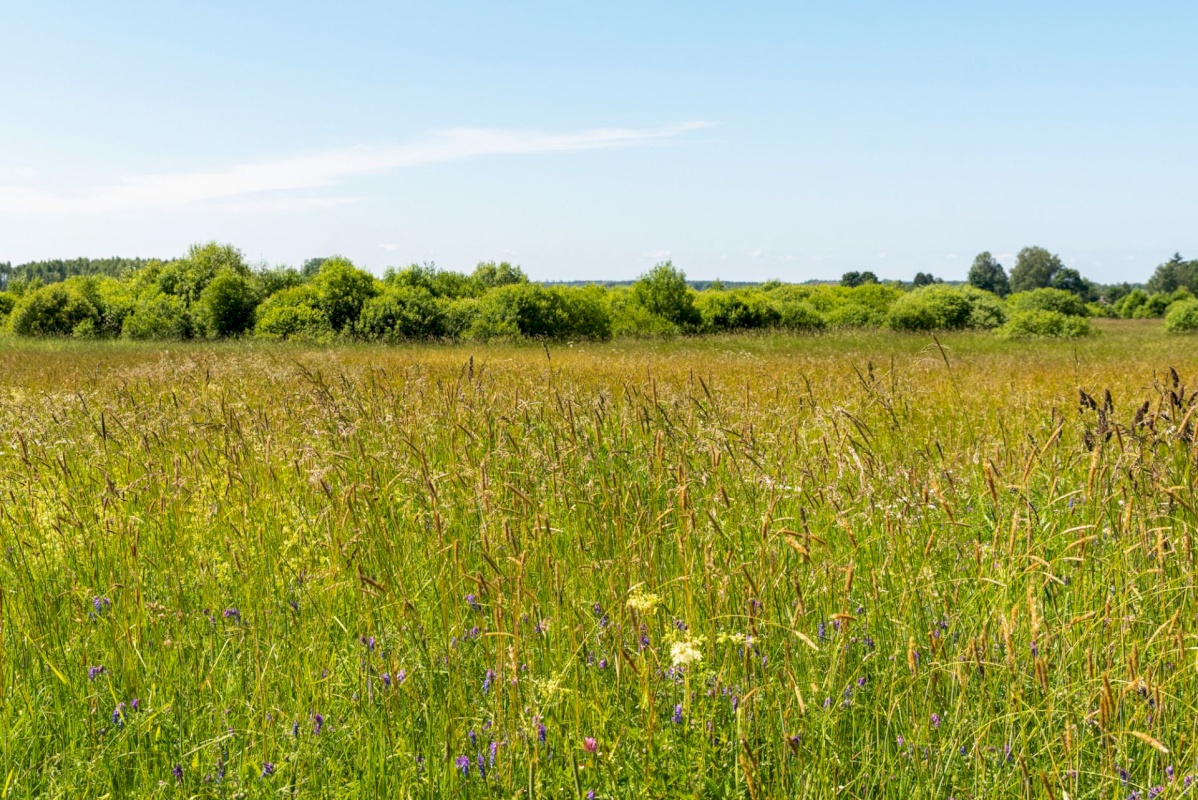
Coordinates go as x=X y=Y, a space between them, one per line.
x=341 y=290
x=489 y=275
x=1070 y=280
x=988 y=275
x=853 y=279
x=1034 y=269
x=663 y=291
x=53 y=310
x=1174 y=274
x=226 y=306
x=925 y=279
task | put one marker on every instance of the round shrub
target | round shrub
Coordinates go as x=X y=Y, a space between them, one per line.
x=852 y=315
x=799 y=315
x=408 y=312
x=733 y=311
x=341 y=291
x=1182 y=317
x=53 y=310
x=292 y=313
x=7 y=301
x=1037 y=324
x=525 y=309
x=226 y=305
x=1047 y=299
x=158 y=315
x=930 y=308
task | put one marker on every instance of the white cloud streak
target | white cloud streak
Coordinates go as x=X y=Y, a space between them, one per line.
x=234 y=188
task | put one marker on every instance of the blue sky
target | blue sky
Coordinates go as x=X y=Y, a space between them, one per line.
x=589 y=140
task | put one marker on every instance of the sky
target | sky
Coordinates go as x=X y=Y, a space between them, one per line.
x=590 y=140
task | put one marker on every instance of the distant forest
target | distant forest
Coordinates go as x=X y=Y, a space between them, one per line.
x=212 y=292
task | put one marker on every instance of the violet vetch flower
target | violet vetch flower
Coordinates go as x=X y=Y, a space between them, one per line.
x=95 y=672
x=678 y=714
x=474 y=606
x=268 y=769
x=488 y=679
x=118 y=715
x=317 y=723
x=473 y=738
x=823 y=631
x=494 y=751
x=233 y=614
x=463 y=763
x=861 y=681
x=482 y=766
x=541 y=733
x=295 y=728
x=101 y=604
x=936 y=721
x=386 y=679
x=401 y=676
x=136 y=704
x=177 y=771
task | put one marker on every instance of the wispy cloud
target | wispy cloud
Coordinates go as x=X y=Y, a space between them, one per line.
x=235 y=187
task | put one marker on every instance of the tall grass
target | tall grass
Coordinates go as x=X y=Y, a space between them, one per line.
x=864 y=565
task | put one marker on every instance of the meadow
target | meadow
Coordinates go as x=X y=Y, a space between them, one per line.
x=859 y=563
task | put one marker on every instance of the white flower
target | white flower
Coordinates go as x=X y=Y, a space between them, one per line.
x=643 y=602
x=685 y=652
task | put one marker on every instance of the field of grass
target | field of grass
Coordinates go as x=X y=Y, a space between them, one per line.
x=860 y=564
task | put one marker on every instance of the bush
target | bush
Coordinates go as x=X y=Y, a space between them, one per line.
x=732 y=311
x=1182 y=317
x=1153 y=307
x=853 y=315
x=158 y=315
x=630 y=318
x=341 y=291
x=1130 y=302
x=1047 y=299
x=798 y=315
x=226 y=306
x=663 y=291
x=7 y=301
x=931 y=308
x=53 y=310
x=524 y=309
x=293 y=313
x=402 y=313
x=1038 y=323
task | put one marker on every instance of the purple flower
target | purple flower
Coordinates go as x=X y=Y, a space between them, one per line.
x=317 y=723
x=463 y=763
x=598 y=609
x=233 y=614
x=118 y=715
x=901 y=741
x=368 y=641
x=823 y=631
x=136 y=704
x=482 y=766
x=603 y=663
x=861 y=681
x=101 y=604
x=494 y=751
x=541 y=733
x=474 y=606
x=1169 y=773
x=473 y=738
x=95 y=672
x=295 y=728
x=177 y=771
x=591 y=795
x=589 y=744
x=678 y=714
x=487 y=680
x=735 y=703
x=936 y=721
x=268 y=769
x=386 y=679
x=401 y=676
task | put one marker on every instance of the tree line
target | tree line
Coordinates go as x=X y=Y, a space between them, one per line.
x=212 y=292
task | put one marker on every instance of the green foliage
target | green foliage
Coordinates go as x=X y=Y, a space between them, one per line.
x=630 y=318
x=854 y=279
x=1153 y=307
x=278 y=279
x=1174 y=274
x=988 y=275
x=1070 y=280
x=1034 y=269
x=58 y=270
x=441 y=283
x=158 y=315
x=931 y=308
x=293 y=314
x=734 y=311
x=53 y=310
x=403 y=312
x=925 y=279
x=1127 y=305
x=226 y=306
x=188 y=276
x=341 y=292
x=1039 y=323
x=1182 y=317
x=7 y=301
x=489 y=275
x=1048 y=299
x=523 y=309
x=799 y=316
x=662 y=291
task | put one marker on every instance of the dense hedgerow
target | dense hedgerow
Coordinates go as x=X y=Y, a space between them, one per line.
x=213 y=293
x=1182 y=317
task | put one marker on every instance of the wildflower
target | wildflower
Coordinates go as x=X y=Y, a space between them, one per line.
x=368 y=641
x=901 y=741
x=118 y=715
x=678 y=714
x=317 y=723
x=233 y=614
x=1169 y=773
x=1123 y=776
x=386 y=680
x=963 y=751
x=95 y=672
x=473 y=737
x=686 y=652
x=736 y=703
x=101 y=604
x=589 y=744
x=823 y=631
x=603 y=663
x=463 y=763
x=487 y=680
x=861 y=681
x=474 y=632
x=177 y=771
x=598 y=609
x=936 y=721
x=494 y=751
x=680 y=625
x=473 y=603
x=401 y=676
x=295 y=728
x=591 y=795
x=541 y=733
x=136 y=704
x=642 y=602
x=268 y=769
x=482 y=767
